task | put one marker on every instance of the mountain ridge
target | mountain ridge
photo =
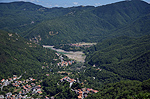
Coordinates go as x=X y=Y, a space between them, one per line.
x=88 y=26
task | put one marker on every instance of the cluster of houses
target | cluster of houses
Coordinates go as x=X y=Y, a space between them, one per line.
x=71 y=81
x=81 y=45
x=6 y=82
x=24 y=87
x=82 y=93
x=64 y=63
x=97 y=68
x=76 y=45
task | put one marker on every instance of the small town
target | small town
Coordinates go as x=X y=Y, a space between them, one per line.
x=22 y=87
x=27 y=88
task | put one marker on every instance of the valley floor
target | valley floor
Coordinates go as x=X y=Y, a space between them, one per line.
x=78 y=55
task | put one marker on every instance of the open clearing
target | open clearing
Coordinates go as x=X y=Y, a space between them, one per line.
x=78 y=55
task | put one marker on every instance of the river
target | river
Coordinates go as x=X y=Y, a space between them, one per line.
x=78 y=55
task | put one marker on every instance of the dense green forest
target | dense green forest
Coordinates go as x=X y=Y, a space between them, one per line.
x=75 y=24
x=95 y=24
x=124 y=90
x=18 y=55
x=117 y=66
x=125 y=56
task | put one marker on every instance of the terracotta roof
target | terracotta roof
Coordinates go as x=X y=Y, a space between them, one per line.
x=17 y=85
x=72 y=79
x=61 y=79
x=80 y=92
x=79 y=97
x=95 y=91
x=40 y=92
x=39 y=85
x=13 y=95
x=29 y=86
x=2 y=80
x=10 y=78
x=88 y=89
x=66 y=77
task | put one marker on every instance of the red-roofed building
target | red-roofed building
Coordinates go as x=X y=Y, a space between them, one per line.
x=79 y=97
x=33 y=84
x=39 y=86
x=89 y=89
x=80 y=93
x=95 y=91
x=2 y=80
x=39 y=92
x=66 y=63
x=62 y=80
x=14 y=78
x=70 y=63
x=17 y=85
x=66 y=77
x=10 y=79
x=24 y=87
x=13 y=97
x=20 y=92
x=29 y=86
x=72 y=80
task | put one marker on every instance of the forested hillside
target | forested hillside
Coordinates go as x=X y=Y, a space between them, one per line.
x=95 y=24
x=20 y=16
x=125 y=56
x=18 y=55
x=33 y=66
x=75 y=24
x=117 y=66
x=125 y=89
